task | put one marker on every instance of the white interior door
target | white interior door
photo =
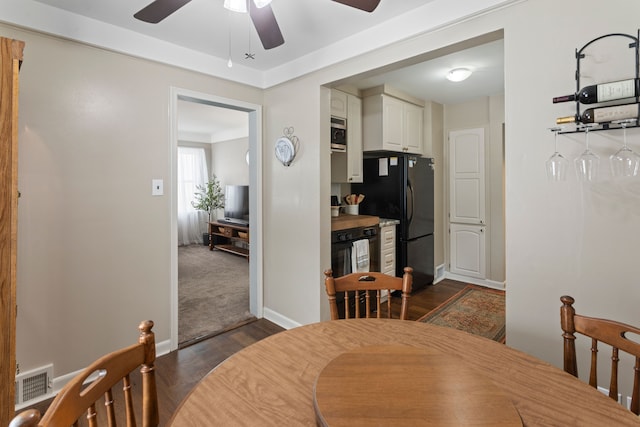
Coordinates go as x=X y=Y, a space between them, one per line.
x=467 y=216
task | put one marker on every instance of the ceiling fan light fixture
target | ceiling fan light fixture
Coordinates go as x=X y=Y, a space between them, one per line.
x=458 y=74
x=236 y=5
x=261 y=3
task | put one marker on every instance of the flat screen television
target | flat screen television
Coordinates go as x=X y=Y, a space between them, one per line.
x=236 y=204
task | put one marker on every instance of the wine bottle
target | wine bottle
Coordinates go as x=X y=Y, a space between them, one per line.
x=604 y=114
x=603 y=92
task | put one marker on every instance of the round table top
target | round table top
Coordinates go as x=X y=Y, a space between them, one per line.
x=408 y=386
x=270 y=383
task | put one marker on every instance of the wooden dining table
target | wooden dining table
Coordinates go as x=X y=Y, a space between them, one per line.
x=272 y=382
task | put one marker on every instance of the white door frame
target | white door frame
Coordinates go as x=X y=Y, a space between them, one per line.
x=255 y=200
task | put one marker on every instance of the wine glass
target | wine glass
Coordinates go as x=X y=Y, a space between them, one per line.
x=625 y=162
x=587 y=164
x=557 y=164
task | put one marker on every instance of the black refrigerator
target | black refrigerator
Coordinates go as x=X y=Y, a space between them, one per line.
x=400 y=186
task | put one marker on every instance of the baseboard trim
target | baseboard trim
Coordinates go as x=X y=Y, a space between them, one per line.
x=163 y=348
x=58 y=383
x=440 y=272
x=279 y=319
x=474 y=280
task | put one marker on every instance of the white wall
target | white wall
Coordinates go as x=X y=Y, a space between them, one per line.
x=297 y=212
x=229 y=161
x=580 y=240
x=435 y=111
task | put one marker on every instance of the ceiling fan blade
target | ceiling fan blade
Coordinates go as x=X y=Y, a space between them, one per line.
x=158 y=10
x=266 y=25
x=366 y=5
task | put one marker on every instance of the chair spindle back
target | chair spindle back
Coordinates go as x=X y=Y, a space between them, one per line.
x=600 y=330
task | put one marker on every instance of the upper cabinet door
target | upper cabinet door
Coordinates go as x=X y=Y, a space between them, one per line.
x=392 y=123
x=339 y=106
x=346 y=167
x=466 y=176
x=354 y=139
x=413 y=128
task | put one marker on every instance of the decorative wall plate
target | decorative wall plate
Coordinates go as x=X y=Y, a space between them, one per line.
x=286 y=147
x=285 y=152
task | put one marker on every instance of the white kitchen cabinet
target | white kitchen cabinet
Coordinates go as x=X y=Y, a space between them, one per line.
x=339 y=103
x=392 y=124
x=413 y=128
x=346 y=167
x=388 y=249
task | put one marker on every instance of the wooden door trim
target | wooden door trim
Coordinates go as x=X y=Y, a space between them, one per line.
x=10 y=59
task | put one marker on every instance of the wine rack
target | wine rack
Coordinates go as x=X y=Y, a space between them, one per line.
x=580 y=55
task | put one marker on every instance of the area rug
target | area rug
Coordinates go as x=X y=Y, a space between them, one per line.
x=477 y=310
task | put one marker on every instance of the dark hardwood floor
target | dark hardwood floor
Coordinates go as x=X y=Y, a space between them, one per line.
x=179 y=371
x=425 y=300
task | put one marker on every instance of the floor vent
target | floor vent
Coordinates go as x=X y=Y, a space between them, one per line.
x=33 y=384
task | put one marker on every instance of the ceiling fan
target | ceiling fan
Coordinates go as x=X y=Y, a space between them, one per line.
x=263 y=18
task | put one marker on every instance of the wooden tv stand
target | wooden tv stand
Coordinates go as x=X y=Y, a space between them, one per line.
x=226 y=235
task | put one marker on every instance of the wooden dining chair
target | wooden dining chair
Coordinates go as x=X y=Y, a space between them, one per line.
x=600 y=330
x=363 y=287
x=77 y=398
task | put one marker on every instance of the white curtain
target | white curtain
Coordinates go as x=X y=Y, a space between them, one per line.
x=192 y=171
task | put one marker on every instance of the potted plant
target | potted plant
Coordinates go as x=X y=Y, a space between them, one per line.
x=208 y=198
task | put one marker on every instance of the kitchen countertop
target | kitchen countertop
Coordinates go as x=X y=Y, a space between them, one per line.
x=344 y=222
x=386 y=222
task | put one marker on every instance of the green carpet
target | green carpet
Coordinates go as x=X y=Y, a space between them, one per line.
x=477 y=310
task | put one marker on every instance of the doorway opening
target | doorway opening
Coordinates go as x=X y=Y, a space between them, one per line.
x=253 y=114
x=478 y=101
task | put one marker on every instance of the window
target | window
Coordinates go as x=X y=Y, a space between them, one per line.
x=192 y=171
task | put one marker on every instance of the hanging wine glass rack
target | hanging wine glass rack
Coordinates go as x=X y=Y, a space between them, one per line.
x=579 y=127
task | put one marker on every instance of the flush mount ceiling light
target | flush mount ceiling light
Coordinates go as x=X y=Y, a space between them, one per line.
x=241 y=5
x=458 y=74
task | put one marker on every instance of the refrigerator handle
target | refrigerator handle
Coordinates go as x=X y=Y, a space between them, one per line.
x=409 y=201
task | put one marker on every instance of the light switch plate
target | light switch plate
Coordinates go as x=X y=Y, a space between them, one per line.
x=157 y=187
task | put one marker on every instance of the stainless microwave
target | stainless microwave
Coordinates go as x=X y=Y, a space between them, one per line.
x=338 y=134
